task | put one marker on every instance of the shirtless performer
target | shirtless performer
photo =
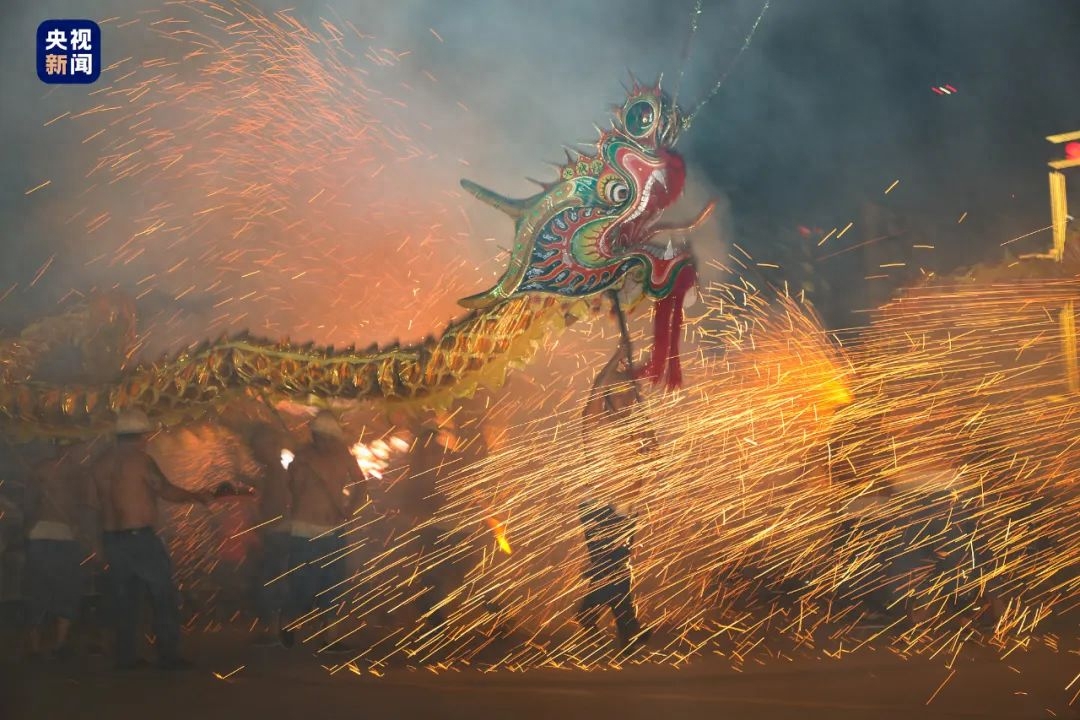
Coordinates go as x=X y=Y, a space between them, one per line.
x=53 y=555
x=272 y=485
x=609 y=526
x=126 y=485
x=327 y=490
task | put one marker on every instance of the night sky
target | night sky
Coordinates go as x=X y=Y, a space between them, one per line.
x=834 y=99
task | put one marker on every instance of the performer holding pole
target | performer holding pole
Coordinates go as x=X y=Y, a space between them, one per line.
x=610 y=526
x=126 y=485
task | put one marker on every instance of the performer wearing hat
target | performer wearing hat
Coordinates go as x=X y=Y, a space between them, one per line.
x=611 y=523
x=272 y=590
x=53 y=555
x=126 y=485
x=327 y=489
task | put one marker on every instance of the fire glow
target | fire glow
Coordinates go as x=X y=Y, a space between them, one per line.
x=375 y=458
x=499 y=529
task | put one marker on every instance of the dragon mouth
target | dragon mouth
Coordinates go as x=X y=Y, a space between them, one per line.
x=665 y=253
x=657 y=176
x=663 y=259
x=662 y=185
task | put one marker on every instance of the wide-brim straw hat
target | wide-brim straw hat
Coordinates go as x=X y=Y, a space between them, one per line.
x=133 y=422
x=326 y=424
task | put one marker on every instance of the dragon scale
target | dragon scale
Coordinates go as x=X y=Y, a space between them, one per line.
x=476 y=350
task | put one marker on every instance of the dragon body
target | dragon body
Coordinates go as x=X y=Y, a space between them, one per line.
x=476 y=350
x=587 y=233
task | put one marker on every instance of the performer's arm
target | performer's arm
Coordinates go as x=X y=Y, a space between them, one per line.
x=614 y=392
x=169 y=492
x=614 y=384
x=600 y=387
x=32 y=500
x=356 y=489
x=620 y=403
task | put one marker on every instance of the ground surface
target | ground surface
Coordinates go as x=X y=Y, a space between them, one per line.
x=283 y=683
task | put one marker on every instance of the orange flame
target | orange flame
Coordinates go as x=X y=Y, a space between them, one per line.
x=499 y=529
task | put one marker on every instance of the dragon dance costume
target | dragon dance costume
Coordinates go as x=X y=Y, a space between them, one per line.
x=588 y=232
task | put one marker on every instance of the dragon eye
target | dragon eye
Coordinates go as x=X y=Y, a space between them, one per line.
x=640 y=118
x=616 y=192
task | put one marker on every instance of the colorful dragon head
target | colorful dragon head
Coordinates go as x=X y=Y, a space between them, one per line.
x=592 y=229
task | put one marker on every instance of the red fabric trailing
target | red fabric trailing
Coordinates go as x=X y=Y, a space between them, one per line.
x=662 y=313
x=683 y=284
x=667 y=330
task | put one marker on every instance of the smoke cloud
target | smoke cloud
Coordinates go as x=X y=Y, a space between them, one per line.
x=359 y=236
x=391 y=104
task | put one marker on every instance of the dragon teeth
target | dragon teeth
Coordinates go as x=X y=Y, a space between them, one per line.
x=669 y=251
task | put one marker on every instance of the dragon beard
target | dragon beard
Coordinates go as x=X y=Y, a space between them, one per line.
x=667 y=331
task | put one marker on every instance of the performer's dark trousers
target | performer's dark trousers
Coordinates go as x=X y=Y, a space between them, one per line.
x=273 y=594
x=53 y=579
x=615 y=594
x=320 y=571
x=438 y=556
x=138 y=557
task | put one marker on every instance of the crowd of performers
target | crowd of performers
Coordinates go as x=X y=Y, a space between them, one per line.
x=112 y=498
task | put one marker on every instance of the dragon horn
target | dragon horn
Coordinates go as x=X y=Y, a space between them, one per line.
x=514 y=208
